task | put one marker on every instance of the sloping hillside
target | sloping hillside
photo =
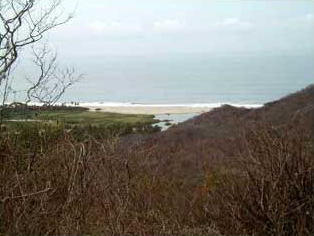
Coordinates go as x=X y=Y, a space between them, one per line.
x=278 y=112
x=214 y=136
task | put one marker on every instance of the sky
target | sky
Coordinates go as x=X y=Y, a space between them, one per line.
x=104 y=28
x=128 y=49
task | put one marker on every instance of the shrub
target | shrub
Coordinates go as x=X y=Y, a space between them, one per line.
x=269 y=190
x=83 y=185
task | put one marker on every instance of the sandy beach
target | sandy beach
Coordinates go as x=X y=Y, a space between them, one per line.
x=156 y=109
x=150 y=110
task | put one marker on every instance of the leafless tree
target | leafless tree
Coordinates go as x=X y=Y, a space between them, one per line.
x=23 y=23
x=52 y=80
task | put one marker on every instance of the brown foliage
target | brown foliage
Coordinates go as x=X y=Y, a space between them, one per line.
x=269 y=187
x=187 y=181
x=91 y=187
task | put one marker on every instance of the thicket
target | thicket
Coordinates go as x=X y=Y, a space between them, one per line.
x=53 y=182
x=268 y=186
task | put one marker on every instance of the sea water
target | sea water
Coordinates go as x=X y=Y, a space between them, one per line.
x=191 y=79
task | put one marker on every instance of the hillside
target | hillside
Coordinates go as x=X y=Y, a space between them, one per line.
x=278 y=112
x=213 y=136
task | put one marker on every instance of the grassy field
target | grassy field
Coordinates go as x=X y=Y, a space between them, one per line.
x=76 y=116
x=79 y=119
x=94 y=118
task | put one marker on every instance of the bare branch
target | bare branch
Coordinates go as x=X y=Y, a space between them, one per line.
x=53 y=80
x=23 y=22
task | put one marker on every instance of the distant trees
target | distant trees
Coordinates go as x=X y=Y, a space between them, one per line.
x=23 y=25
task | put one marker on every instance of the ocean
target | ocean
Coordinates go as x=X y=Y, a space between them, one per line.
x=191 y=79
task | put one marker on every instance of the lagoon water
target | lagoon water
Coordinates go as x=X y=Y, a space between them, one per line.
x=191 y=79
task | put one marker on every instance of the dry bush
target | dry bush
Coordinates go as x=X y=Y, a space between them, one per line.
x=91 y=187
x=269 y=191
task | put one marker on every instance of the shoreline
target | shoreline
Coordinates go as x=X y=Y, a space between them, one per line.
x=149 y=110
x=158 y=109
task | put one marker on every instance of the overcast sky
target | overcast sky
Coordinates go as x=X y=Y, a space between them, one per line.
x=126 y=49
x=103 y=28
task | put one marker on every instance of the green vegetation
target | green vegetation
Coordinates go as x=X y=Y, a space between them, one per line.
x=74 y=115
x=78 y=119
x=95 y=118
